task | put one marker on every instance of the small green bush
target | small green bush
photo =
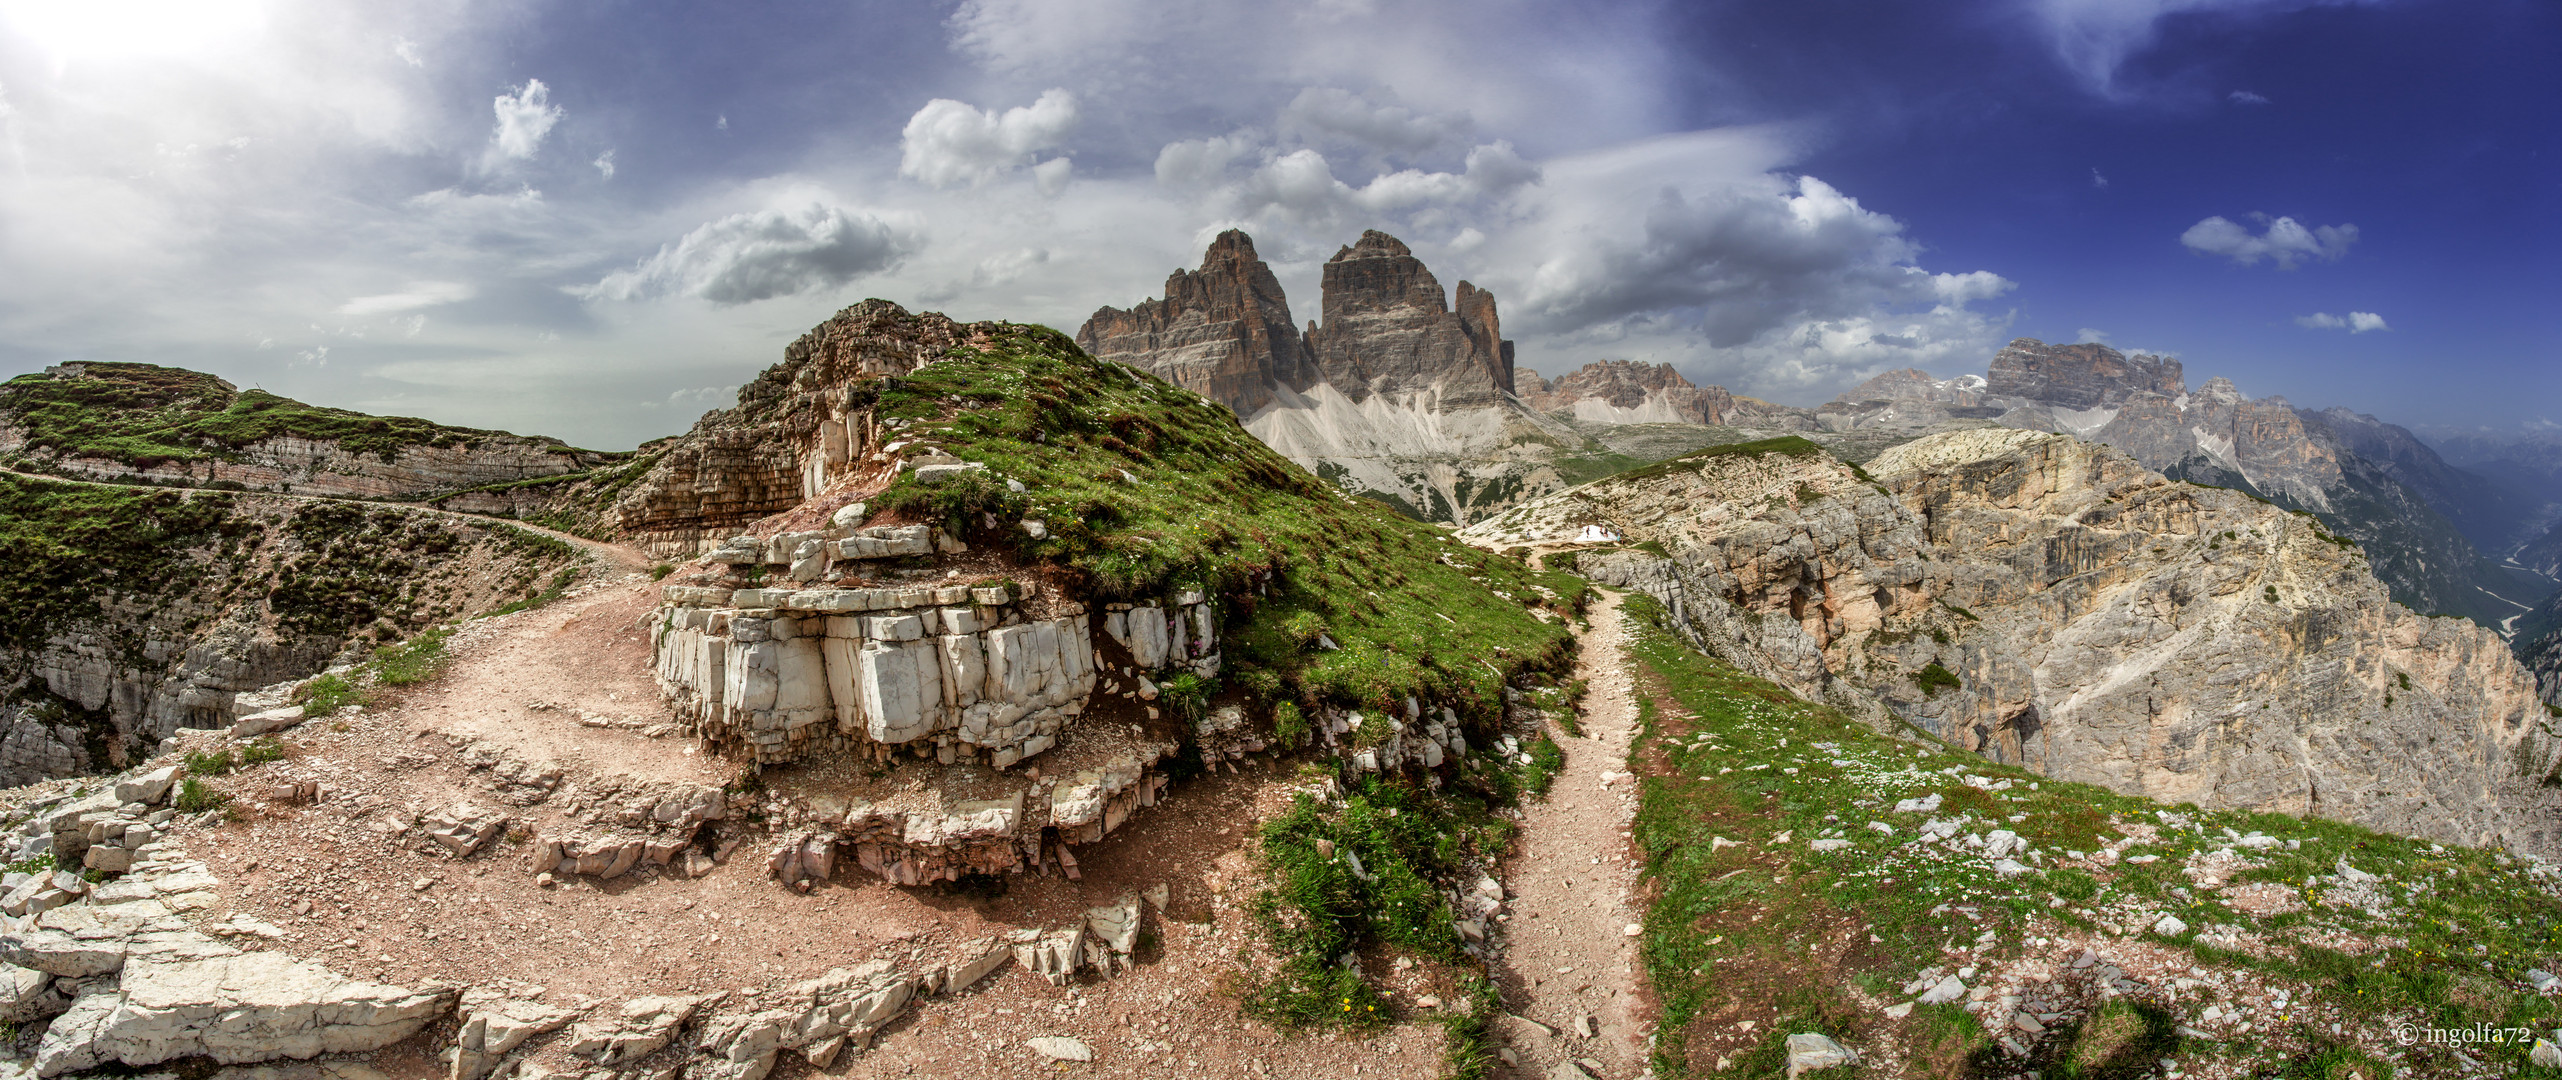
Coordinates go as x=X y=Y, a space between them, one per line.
x=1934 y=678
x=196 y=798
x=660 y=571
x=1289 y=726
x=328 y=694
x=262 y=751
x=40 y=864
x=200 y=763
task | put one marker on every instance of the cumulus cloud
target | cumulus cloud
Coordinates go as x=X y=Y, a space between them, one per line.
x=604 y=164
x=951 y=142
x=525 y=116
x=2284 y=240
x=1324 y=114
x=2245 y=97
x=420 y=295
x=2088 y=335
x=747 y=257
x=2355 y=322
x=1250 y=181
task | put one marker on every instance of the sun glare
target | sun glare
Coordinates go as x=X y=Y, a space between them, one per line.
x=78 y=30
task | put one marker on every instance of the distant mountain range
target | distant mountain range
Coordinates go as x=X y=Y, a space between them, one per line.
x=1406 y=395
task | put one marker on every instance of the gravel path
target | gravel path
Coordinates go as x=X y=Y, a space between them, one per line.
x=1568 y=959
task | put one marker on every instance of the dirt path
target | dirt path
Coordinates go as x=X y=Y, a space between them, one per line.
x=1568 y=958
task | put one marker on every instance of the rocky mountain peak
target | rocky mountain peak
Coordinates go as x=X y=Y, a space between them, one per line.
x=1222 y=331
x=2218 y=391
x=2083 y=376
x=1626 y=391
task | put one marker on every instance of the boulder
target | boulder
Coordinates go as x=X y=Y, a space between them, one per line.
x=148 y=788
x=494 y=1024
x=273 y=720
x=234 y=1009
x=642 y=1026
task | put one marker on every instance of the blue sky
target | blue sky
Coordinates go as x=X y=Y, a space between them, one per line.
x=592 y=219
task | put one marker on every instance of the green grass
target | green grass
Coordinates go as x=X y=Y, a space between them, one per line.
x=145 y=415
x=327 y=694
x=412 y=661
x=1714 y=752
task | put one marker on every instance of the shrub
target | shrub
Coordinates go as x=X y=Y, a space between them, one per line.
x=328 y=694
x=200 y=763
x=195 y=798
x=262 y=751
x=1934 y=678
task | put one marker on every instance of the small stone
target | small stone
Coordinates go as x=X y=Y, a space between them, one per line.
x=1900 y=1011
x=1060 y=1048
x=1632 y=930
x=545 y=879
x=2169 y=926
x=1586 y=1026
x=2546 y=1054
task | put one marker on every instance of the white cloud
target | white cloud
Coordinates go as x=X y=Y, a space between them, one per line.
x=2355 y=322
x=407 y=51
x=2097 y=180
x=1324 y=114
x=2245 y=97
x=2284 y=241
x=2086 y=334
x=950 y=142
x=1051 y=177
x=604 y=164
x=747 y=257
x=422 y=294
x=525 y=116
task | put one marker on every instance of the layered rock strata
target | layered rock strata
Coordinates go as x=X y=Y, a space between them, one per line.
x=2051 y=603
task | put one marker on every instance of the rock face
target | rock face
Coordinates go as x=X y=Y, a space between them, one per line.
x=1400 y=392
x=1223 y=331
x=1626 y=392
x=2052 y=603
x=1387 y=330
x=2085 y=376
x=186 y=427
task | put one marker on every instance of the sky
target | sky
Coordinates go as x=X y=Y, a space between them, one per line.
x=595 y=220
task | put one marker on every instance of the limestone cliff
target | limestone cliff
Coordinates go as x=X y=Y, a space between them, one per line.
x=2083 y=376
x=1388 y=330
x=1223 y=331
x=2052 y=603
x=173 y=426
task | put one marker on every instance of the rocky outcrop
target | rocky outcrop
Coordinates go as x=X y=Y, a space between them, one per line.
x=1223 y=331
x=2052 y=603
x=2084 y=376
x=799 y=428
x=1388 y=330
